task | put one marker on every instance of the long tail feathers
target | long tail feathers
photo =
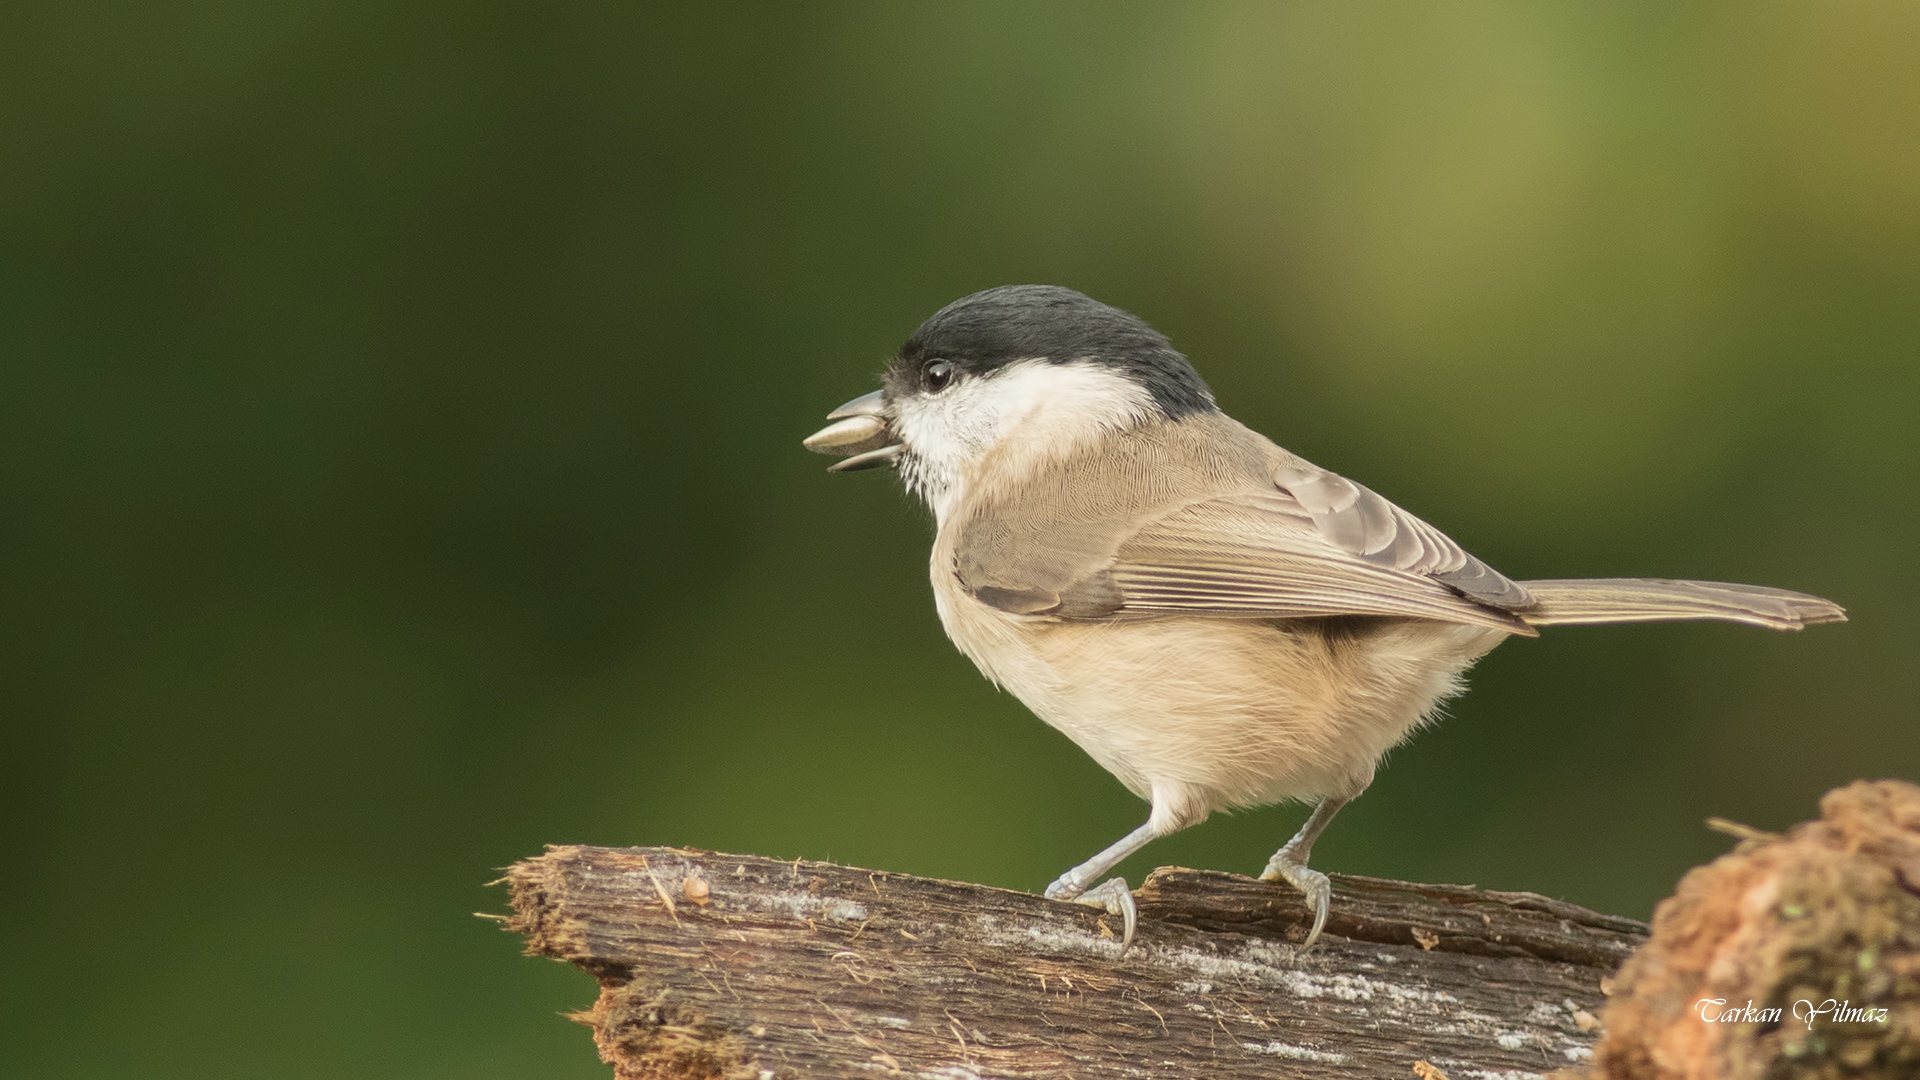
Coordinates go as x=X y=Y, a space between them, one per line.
x=1589 y=601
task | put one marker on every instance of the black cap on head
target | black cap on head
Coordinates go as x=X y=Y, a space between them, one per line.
x=990 y=329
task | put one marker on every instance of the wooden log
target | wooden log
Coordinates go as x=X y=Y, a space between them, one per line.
x=736 y=967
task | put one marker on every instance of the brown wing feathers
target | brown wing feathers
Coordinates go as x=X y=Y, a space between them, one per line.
x=1254 y=555
x=1355 y=519
x=1238 y=528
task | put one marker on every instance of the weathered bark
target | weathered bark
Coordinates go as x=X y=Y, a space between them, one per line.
x=717 y=965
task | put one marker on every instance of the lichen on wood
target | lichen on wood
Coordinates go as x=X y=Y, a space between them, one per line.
x=1793 y=957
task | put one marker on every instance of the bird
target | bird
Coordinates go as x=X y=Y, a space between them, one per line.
x=1216 y=621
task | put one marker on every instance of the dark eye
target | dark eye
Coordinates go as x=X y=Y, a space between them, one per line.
x=939 y=375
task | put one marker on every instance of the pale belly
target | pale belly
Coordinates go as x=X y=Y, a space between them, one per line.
x=1216 y=713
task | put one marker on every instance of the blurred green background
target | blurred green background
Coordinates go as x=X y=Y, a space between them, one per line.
x=400 y=410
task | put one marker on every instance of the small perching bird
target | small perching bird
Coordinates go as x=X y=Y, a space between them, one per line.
x=1218 y=622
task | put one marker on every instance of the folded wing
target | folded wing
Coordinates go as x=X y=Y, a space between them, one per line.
x=1261 y=554
x=1253 y=534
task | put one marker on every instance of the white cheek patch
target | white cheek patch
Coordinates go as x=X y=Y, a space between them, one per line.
x=946 y=433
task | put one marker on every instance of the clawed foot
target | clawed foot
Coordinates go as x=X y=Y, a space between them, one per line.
x=1111 y=896
x=1312 y=884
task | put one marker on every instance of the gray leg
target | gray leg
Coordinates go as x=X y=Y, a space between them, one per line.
x=1111 y=895
x=1289 y=864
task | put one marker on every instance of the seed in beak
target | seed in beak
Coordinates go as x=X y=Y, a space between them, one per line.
x=854 y=435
